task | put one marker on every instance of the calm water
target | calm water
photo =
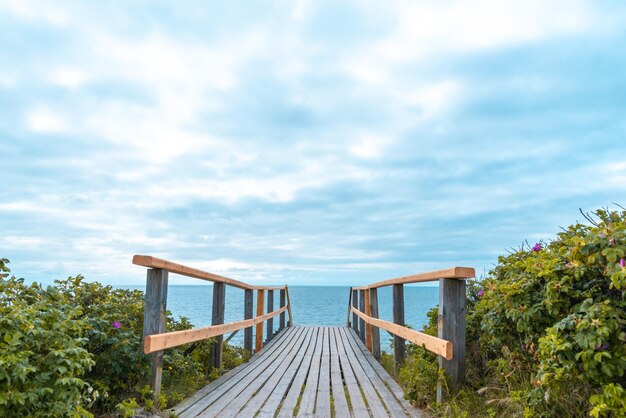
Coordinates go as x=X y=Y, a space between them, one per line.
x=311 y=305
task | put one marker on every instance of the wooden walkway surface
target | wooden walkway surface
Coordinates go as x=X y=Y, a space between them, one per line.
x=303 y=372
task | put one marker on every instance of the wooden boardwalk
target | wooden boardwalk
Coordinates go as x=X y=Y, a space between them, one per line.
x=303 y=372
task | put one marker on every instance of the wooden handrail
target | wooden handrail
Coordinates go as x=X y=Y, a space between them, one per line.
x=433 y=344
x=451 y=273
x=157 y=342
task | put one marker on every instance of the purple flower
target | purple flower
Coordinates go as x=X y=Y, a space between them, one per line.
x=537 y=247
x=523 y=346
x=116 y=324
x=622 y=262
x=611 y=241
x=480 y=293
x=605 y=346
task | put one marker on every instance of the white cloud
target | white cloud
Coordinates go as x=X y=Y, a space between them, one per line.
x=369 y=145
x=45 y=120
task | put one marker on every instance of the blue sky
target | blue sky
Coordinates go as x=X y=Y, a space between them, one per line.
x=303 y=142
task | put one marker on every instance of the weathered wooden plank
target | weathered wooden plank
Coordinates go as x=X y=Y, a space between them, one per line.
x=228 y=379
x=362 y=309
x=217 y=318
x=375 y=329
x=368 y=325
x=449 y=273
x=281 y=323
x=340 y=403
x=155 y=307
x=355 y=304
x=247 y=314
x=260 y=302
x=375 y=404
x=307 y=403
x=216 y=401
x=398 y=318
x=392 y=405
x=289 y=306
x=356 y=398
x=451 y=322
x=272 y=404
x=322 y=402
x=270 y=322
x=291 y=400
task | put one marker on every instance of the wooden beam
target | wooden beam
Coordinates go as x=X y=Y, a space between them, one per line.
x=217 y=318
x=398 y=318
x=452 y=299
x=289 y=306
x=433 y=344
x=270 y=322
x=362 y=309
x=450 y=273
x=283 y=302
x=368 y=326
x=172 y=339
x=349 y=306
x=154 y=262
x=247 y=314
x=375 y=330
x=260 y=302
x=155 y=307
x=355 y=304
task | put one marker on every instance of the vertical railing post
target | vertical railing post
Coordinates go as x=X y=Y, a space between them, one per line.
x=349 y=306
x=362 y=309
x=247 y=314
x=368 y=327
x=270 y=308
x=217 y=318
x=451 y=322
x=290 y=323
x=374 y=314
x=260 y=304
x=355 y=304
x=281 y=324
x=155 y=306
x=398 y=318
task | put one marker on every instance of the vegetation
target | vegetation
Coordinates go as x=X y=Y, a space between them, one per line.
x=74 y=349
x=546 y=331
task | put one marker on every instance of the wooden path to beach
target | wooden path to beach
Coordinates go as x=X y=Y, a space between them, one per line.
x=306 y=371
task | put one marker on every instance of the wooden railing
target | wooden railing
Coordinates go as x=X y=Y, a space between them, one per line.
x=156 y=339
x=449 y=345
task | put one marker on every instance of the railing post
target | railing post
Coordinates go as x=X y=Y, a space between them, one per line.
x=349 y=306
x=155 y=306
x=270 y=308
x=398 y=318
x=451 y=322
x=247 y=314
x=362 y=309
x=290 y=323
x=355 y=304
x=281 y=324
x=368 y=327
x=260 y=302
x=217 y=318
x=374 y=314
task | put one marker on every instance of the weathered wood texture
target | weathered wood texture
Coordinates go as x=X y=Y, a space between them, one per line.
x=451 y=322
x=283 y=301
x=355 y=304
x=247 y=314
x=375 y=330
x=217 y=318
x=362 y=309
x=155 y=307
x=398 y=318
x=303 y=371
x=260 y=305
x=270 y=322
x=431 y=276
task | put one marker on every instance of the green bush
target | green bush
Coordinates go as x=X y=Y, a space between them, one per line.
x=546 y=329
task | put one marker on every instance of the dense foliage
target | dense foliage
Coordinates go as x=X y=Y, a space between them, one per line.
x=546 y=331
x=74 y=349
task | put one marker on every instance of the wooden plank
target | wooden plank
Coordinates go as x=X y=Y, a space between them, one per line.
x=155 y=309
x=362 y=309
x=272 y=404
x=322 y=402
x=247 y=314
x=172 y=339
x=389 y=381
x=349 y=305
x=375 y=404
x=433 y=344
x=270 y=322
x=398 y=319
x=356 y=398
x=449 y=273
x=451 y=324
x=211 y=404
x=340 y=403
x=368 y=326
x=157 y=263
x=307 y=403
x=249 y=401
x=289 y=306
x=217 y=318
x=281 y=323
x=227 y=380
x=375 y=330
x=392 y=404
x=355 y=304
x=260 y=302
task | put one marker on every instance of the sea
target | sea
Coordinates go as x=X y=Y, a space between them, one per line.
x=310 y=305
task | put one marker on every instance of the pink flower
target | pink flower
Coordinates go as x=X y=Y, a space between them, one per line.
x=116 y=324
x=611 y=241
x=622 y=262
x=480 y=293
x=537 y=247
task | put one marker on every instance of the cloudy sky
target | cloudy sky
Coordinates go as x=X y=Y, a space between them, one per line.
x=303 y=142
